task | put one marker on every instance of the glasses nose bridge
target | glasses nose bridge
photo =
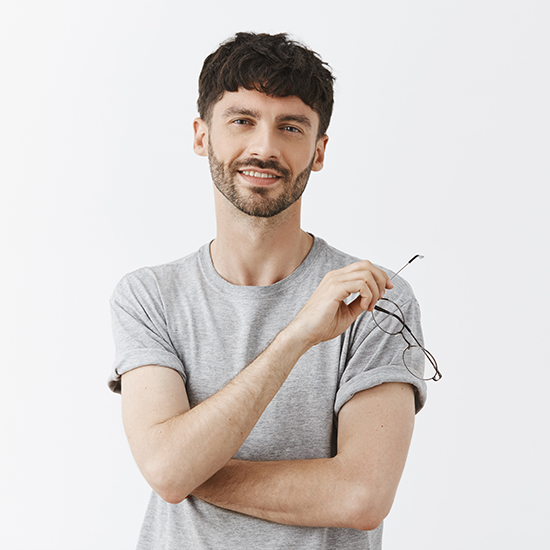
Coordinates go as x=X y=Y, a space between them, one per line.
x=416 y=342
x=409 y=344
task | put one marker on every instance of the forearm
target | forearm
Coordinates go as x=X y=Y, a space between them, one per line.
x=178 y=448
x=190 y=447
x=314 y=493
x=354 y=489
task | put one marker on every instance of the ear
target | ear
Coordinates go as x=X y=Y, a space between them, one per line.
x=200 y=137
x=319 y=158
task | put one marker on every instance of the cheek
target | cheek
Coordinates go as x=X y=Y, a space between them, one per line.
x=225 y=150
x=300 y=158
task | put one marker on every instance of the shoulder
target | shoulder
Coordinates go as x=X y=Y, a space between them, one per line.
x=156 y=280
x=331 y=258
x=328 y=258
x=402 y=291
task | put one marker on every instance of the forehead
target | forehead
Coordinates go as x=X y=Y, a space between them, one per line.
x=264 y=105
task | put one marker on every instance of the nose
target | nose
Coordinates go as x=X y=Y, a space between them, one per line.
x=264 y=143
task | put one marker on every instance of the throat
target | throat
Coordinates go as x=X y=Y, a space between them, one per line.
x=258 y=262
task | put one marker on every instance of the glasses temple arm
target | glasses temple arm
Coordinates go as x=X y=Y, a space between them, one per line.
x=419 y=256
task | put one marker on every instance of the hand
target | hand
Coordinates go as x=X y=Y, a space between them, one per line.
x=326 y=315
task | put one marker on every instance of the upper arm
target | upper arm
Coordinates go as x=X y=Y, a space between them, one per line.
x=151 y=395
x=374 y=433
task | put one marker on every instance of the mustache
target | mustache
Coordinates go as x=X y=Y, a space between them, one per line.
x=262 y=164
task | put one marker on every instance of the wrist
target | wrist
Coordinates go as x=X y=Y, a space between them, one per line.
x=296 y=338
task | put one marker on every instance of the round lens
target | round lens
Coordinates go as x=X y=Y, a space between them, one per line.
x=388 y=317
x=420 y=363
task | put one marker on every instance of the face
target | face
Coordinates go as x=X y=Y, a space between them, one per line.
x=261 y=150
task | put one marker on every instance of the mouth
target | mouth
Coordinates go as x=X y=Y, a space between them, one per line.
x=259 y=178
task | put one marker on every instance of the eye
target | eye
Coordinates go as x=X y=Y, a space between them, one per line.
x=241 y=121
x=291 y=129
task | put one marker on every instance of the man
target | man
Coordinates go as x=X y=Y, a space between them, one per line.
x=261 y=402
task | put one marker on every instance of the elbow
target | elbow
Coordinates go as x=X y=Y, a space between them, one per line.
x=367 y=521
x=366 y=511
x=165 y=484
x=172 y=497
x=170 y=493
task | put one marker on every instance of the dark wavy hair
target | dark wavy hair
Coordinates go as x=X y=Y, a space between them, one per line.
x=275 y=65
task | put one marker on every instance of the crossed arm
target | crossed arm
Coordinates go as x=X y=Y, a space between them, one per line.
x=183 y=451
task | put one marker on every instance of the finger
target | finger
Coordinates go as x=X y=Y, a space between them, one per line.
x=381 y=277
x=368 y=292
x=382 y=280
x=358 y=306
x=342 y=285
x=371 y=285
x=350 y=278
x=373 y=289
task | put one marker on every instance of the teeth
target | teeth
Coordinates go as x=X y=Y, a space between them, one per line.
x=258 y=174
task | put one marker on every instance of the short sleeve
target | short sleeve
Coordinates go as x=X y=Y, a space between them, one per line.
x=375 y=357
x=140 y=329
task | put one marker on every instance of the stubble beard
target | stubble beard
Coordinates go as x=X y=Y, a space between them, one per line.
x=256 y=201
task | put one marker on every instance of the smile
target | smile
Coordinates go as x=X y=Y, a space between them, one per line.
x=254 y=174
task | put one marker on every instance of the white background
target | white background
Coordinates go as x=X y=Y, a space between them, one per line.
x=439 y=145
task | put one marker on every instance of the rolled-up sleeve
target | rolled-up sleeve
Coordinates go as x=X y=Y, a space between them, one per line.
x=375 y=357
x=140 y=328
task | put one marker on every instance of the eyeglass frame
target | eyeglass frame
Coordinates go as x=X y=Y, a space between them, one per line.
x=437 y=376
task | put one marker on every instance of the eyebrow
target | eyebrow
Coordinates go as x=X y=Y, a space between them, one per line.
x=240 y=111
x=300 y=119
x=243 y=111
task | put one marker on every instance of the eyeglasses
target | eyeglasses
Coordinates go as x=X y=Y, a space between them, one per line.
x=389 y=318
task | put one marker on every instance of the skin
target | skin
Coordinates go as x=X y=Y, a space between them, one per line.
x=183 y=451
x=277 y=136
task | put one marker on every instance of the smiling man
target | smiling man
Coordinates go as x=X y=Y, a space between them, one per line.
x=260 y=401
x=247 y=115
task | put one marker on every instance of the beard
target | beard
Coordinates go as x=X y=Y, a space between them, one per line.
x=256 y=201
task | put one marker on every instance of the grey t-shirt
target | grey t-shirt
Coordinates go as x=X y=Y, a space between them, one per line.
x=183 y=315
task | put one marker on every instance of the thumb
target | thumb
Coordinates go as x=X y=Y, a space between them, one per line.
x=358 y=306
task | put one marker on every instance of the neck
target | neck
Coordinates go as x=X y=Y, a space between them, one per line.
x=259 y=251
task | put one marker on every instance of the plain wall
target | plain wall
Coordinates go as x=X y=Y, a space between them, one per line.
x=439 y=146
